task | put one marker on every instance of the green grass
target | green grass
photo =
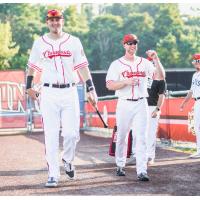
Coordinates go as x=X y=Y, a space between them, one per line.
x=184 y=149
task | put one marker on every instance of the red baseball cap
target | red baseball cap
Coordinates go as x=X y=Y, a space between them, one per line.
x=129 y=38
x=196 y=56
x=54 y=14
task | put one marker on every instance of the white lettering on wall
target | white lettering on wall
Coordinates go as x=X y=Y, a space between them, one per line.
x=12 y=98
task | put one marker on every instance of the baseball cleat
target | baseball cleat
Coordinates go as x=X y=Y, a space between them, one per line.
x=143 y=177
x=120 y=171
x=195 y=155
x=52 y=182
x=69 y=169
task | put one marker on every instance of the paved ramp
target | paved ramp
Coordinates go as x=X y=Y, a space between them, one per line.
x=23 y=170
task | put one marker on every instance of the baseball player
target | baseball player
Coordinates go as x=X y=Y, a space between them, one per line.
x=156 y=91
x=195 y=93
x=128 y=76
x=58 y=56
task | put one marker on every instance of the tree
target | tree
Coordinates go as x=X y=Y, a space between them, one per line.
x=151 y=8
x=104 y=41
x=75 y=23
x=141 y=25
x=168 y=20
x=101 y=33
x=191 y=21
x=88 y=11
x=7 y=49
x=25 y=24
x=188 y=44
x=168 y=51
x=121 y=9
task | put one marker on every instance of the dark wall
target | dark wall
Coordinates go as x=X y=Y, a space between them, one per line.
x=99 y=80
x=176 y=81
x=179 y=80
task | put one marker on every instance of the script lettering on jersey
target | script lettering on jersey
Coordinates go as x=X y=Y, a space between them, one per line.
x=51 y=54
x=128 y=74
x=196 y=82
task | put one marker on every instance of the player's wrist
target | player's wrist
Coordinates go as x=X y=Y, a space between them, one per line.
x=89 y=85
x=28 y=90
x=157 y=108
x=29 y=81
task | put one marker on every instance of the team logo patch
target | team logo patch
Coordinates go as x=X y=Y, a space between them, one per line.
x=127 y=74
x=52 y=54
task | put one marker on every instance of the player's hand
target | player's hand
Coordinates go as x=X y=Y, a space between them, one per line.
x=92 y=98
x=155 y=113
x=152 y=54
x=132 y=81
x=32 y=93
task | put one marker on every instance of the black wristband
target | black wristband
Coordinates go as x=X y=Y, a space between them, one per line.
x=29 y=82
x=89 y=85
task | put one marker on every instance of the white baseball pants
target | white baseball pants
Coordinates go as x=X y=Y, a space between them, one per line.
x=150 y=135
x=197 y=123
x=128 y=112
x=60 y=107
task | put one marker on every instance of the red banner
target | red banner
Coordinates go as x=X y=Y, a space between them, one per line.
x=13 y=102
x=173 y=124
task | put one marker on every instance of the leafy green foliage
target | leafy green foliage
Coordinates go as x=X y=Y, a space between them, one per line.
x=104 y=40
x=101 y=28
x=169 y=54
x=74 y=22
x=141 y=25
x=7 y=46
x=25 y=23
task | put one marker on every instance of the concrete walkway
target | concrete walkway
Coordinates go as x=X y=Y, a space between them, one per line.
x=23 y=170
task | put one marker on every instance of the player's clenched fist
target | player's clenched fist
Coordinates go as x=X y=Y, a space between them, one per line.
x=132 y=81
x=32 y=93
x=92 y=97
x=152 y=54
x=91 y=92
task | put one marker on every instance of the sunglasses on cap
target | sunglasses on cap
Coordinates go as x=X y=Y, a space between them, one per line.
x=54 y=13
x=196 y=61
x=132 y=42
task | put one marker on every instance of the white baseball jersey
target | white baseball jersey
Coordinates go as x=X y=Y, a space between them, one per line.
x=58 y=59
x=122 y=69
x=195 y=86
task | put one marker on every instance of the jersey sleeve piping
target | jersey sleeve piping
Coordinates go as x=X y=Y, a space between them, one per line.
x=82 y=65
x=35 y=67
